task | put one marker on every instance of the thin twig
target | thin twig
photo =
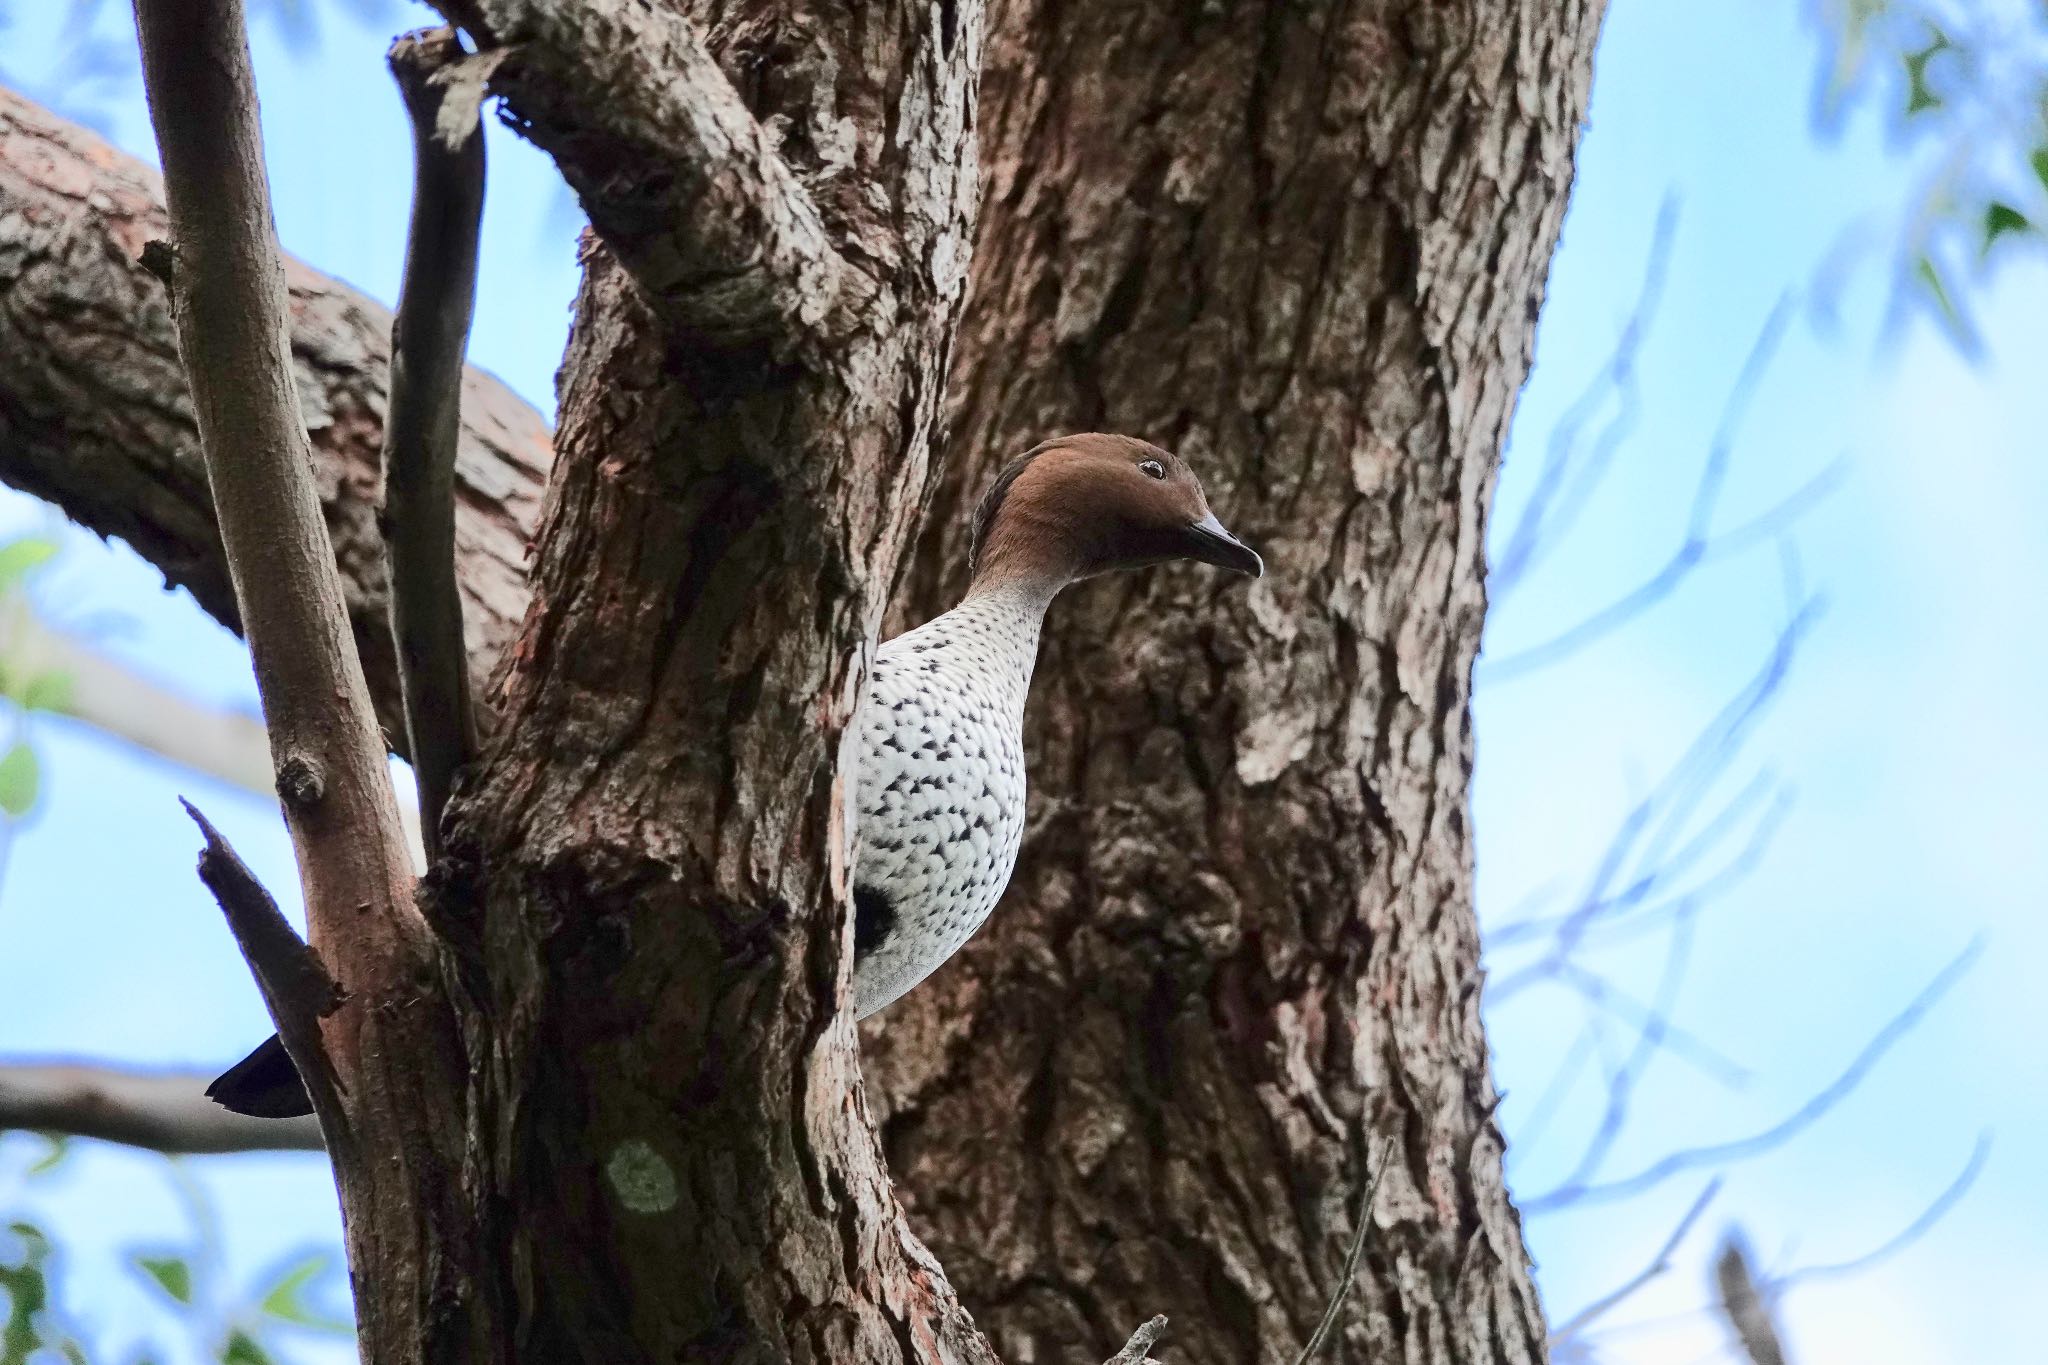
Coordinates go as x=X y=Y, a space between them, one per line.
x=1715 y=1154
x=1350 y=1272
x=295 y=984
x=1700 y=543
x=1773 y=1288
x=424 y=422
x=1563 y=487
x=162 y=1112
x=1650 y=1037
x=1935 y=1211
x=1659 y=817
x=1659 y=1264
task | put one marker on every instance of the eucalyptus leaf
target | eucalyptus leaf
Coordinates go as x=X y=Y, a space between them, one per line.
x=1999 y=219
x=243 y=1349
x=171 y=1274
x=20 y=778
x=1920 y=96
x=19 y=558
x=285 y=1300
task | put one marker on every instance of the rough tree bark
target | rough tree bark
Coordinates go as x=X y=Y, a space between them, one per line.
x=662 y=1151
x=96 y=417
x=1303 y=245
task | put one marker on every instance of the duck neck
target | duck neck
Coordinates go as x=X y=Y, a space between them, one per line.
x=1022 y=594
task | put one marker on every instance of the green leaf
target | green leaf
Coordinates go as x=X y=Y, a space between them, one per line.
x=1920 y=96
x=285 y=1300
x=2039 y=160
x=49 y=691
x=27 y=1292
x=20 y=776
x=243 y=1350
x=60 y=1147
x=2000 y=219
x=172 y=1274
x=19 y=558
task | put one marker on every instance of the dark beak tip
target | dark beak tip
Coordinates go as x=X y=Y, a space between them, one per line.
x=1215 y=545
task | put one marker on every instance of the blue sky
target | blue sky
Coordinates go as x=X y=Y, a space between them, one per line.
x=1909 y=734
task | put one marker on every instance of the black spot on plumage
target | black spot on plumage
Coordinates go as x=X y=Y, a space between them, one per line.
x=874 y=916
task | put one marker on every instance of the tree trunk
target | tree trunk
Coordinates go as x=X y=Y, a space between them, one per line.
x=1304 y=246
x=665 y=1153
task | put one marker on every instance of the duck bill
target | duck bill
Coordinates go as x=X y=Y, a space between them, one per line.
x=1209 y=542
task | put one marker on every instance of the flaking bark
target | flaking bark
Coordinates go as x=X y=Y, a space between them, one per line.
x=1304 y=246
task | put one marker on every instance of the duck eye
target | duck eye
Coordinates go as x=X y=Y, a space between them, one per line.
x=1152 y=469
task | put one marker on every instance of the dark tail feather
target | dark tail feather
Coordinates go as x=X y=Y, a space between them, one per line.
x=264 y=1085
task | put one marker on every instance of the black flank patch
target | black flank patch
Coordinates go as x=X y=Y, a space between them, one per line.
x=874 y=918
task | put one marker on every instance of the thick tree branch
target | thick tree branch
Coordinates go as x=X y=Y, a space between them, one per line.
x=96 y=417
x=678 y=176
x=434 y=310
x=160 y=1111
x=230 y=308
x=1138 y=1350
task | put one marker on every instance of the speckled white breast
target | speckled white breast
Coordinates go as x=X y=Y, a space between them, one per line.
x=939 y=794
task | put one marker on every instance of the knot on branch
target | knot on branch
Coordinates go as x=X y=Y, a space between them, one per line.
x=159 y=260
x=299 y=783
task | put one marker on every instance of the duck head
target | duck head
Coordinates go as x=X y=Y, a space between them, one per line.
x=1082 y=505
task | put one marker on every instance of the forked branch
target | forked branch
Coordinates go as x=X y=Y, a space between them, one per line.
x=422 y=428
x=295 y=984
x=232 y=336
x=724 y=242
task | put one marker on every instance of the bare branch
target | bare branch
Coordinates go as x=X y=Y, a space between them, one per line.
x=1138 y=1350
x=1566 y=482
x=100 y=691
x=1350 y=1272
x=1756 y=1294
x=230 y=308
x=160 y=1111
x=1714 y=1154
x=717 y=231
x=1653 y=1020
x=1645 y=835
x=294 y=982
x=1659 y=1264
x=1747 y=1312
x=1700 y=543
x=1649 y=1038
x=434 y=308
x=100 y=422
x=1551 y=1101
x=1905 y=1237
x=111 y=697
